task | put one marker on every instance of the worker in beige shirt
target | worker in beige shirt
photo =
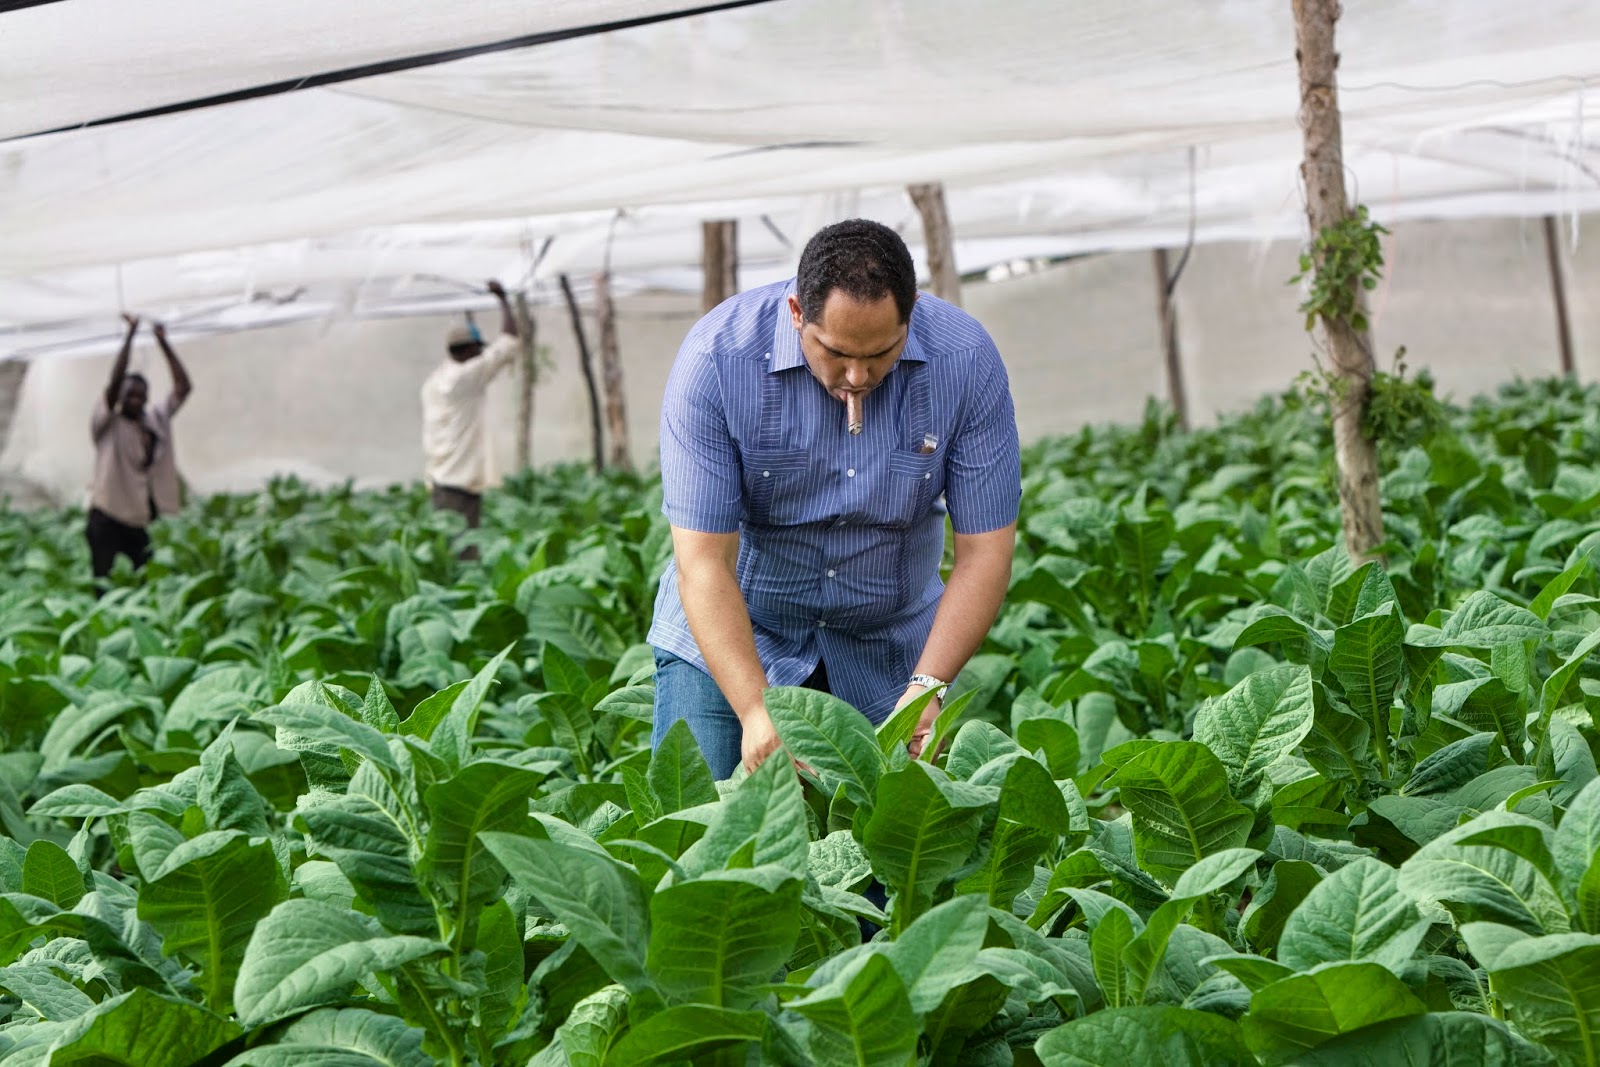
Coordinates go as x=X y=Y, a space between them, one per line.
x=455 y=437
x=135 y=470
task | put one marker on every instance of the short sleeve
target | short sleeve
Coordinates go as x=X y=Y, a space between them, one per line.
x=701 y=478
x=170 y=406
x=983 y=471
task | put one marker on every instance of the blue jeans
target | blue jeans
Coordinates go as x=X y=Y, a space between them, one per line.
x=684 y=691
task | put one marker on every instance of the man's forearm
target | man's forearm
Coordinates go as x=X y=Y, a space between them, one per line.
x=180 y=376
x=119 y=370
x=971 y=602
x=720 y=622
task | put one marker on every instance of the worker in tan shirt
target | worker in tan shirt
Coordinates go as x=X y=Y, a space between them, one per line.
x=135 y=471
x=455 y=440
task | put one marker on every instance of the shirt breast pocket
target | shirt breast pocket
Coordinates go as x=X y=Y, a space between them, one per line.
x=917 y=478
x=776 y=484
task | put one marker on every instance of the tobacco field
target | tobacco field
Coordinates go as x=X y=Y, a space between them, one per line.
x=311 y=792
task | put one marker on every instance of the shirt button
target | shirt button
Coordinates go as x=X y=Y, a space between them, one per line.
x=851 y=472
x=831 y=573
x=926 y=476
x=766 y=474
x=822 y=624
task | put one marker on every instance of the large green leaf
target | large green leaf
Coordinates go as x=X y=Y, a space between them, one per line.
x=939 y=951
x=600 y=900
x=1108 y=943
x=1576 y=843
x=1554 y=692
x=1357 y=913
x=863 y=1018
x=486 y=796
x=1367 y=659
x=1290 y=882
x=763 y=821
x=451 y=740
x=225 y=794
x=341 y=1037
x=44 y=992
x=1438 y=1039
x=1143 y=955
x=500 y=939
x=589 y=1030
x=1482 y=621
x=1032 y=817
x=686 y=1033
x=679 y=775
x=977 y=744
x=205 y=897
x=307 y=953
x=719 y=938
x=922 y=831
x=298 y=724
x=1168 y=1036
x=373 y=834
x=1257 y=722
x=141 y=1029
x=1550 y=985
x=50 y=874
x=829 y=736
x=1182 y=808
x=1296 y=1014
x=1485 y=882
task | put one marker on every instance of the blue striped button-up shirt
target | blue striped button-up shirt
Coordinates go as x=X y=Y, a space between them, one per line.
x=841 y=535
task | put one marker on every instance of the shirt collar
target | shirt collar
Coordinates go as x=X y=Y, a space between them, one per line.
x=787 y=354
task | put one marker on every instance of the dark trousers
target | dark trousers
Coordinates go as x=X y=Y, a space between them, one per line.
x=468 y=505
x=109 y=538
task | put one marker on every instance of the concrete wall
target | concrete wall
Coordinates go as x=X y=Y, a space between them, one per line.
x=336 y=400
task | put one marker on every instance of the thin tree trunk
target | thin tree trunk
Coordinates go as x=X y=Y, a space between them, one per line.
x=588 y=373
x=929 y=198
x=1350 y=351
x=1558 y=290
x=1167 y=315
x=720 y=258
x=527 y=377
x=611 y=371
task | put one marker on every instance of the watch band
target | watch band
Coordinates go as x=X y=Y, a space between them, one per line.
x=928 y=681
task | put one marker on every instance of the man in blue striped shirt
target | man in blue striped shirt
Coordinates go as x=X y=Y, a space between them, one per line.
x=814 y=435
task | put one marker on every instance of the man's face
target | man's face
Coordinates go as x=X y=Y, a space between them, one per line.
x=464 y=353
x=134 y=395
x=853 y=345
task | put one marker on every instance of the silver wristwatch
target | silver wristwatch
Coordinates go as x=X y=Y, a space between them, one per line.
x=928 y=681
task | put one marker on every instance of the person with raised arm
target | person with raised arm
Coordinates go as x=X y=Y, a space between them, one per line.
x=135 y=463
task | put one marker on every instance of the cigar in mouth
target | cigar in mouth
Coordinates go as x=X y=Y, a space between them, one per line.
x=852 y=408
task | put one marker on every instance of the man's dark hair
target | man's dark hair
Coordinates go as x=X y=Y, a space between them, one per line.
x=863 y=259
x=135 y=376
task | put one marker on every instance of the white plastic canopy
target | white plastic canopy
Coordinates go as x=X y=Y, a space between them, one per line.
x=614 y=126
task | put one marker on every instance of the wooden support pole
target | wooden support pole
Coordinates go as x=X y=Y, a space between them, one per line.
x=929 y=199
x=605 y=311
x=720 y=259
x=527 y=378
x=1349 y=349
x=1558 y=289
x=588 y=373
x=1167 y=315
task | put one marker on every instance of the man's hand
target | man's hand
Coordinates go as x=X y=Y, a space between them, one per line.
x=132 y=321
x=497 y=289
x=760 y=739
x=160 y=330
x=924 y=728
